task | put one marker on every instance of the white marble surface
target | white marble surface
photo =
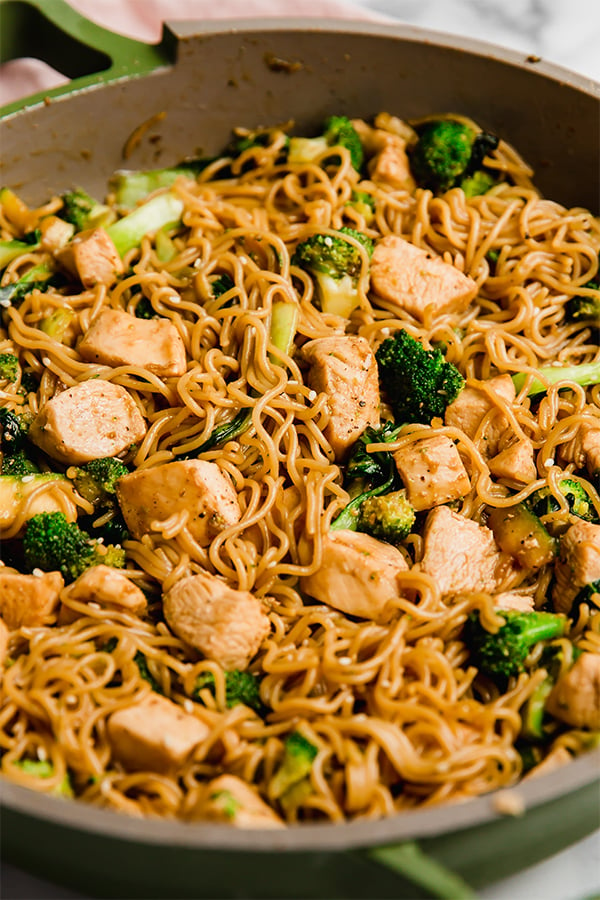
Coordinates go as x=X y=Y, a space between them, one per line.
x=566 y=32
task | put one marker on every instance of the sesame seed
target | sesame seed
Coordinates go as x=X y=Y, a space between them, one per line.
x=27 y=478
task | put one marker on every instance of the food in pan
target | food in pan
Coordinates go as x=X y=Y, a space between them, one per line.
x=300 y=466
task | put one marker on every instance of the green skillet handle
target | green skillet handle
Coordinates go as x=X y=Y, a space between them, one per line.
x=54 y=32
x=430 y=877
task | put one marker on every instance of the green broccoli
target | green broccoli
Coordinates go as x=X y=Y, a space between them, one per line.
x=97 y=479
x=588 y=595
x=57 y=323
x=504 y=653
x=240 y=687
x=227 y=431
x=18 y=464
x=478 y=183
x=14 y=428
x=43 y=768
x=447 y=151
x=583 y=374
x=162 y=211
x=583 y=306
x=39 y=278
x=9 y=250
x=338 y=131
x=543 y=502
x=52 y=543
x=9 y=367
x=145 y=673
x=282 y=329
x=298 y=757
x=363 y=203
x=132 y=186
x=419 y=383
x=221 y=285
x=387 y=516
x=336 y=265
x=83 y=211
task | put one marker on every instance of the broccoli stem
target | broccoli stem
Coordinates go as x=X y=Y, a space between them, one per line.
x=160 y=211
x=9 y=250
x=284 y=318
x=349 y=516
x=583 y=375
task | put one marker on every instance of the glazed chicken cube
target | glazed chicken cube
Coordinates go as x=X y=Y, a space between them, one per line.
x=117 y=339
x=515 y=462
x=154 y=734
x=223 y=623
x=29 y=599
x=55 y=233
x=191 y=486
x=575 y=698
x=514 y=601
x=432 y=471
x=584 y=448
x=578 y=563
x=92 y=257
x=461 y=555
x=233 y=801
x=91 y=420
x=108 y=587
x=413 y=280
x=345 y=370
x=358 y=575
x=472 y=404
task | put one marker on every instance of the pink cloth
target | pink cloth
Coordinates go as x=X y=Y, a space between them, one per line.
x=142 y=19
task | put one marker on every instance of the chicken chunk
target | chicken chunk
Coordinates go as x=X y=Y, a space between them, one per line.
x=4 y=637
x=29 y=599
x=462 y=555
x=345 y=369
x=92 y=420
x=584 y=448
x=413 y=280
x=578 y=564
x=92 y=257
x=358 y=575
x=515 y=462
x=223 y=623
x=107 y=587
x=54 y=233
x=472 y=404
x=194 y=486
x=575 y=698
x=517 y=602
x=232 y=800
x=432 y=471
x=117 y=339
x=390 y=161
x=154 y=734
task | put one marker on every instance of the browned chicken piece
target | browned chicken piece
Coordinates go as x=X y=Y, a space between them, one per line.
x=117 y=339
x=515 y=462
x=194 y=486
x=558 y=757
x=92 y=257
x=55 y=233
x=358 y=575
x=413 y=280
x=390 y=161
x=4 y=637
x=584 y=448
x=432 y=471
x=29 y=599
x=223 y=623
x=233 y=801
x=461 y=555
x=24 y=498
x=578 y=563
x=107 y=587
x=472 y=404
x=511 y=600
x=91 y=420
x=345 y=370
x=575 y=698
x=154 y=734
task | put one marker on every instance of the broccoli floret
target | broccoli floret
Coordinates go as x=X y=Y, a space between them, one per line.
x=161 y=211
x=52 y=543
x=504 y=653
x=584 y=307
x=543 y=502
x=97 y=479
x=84 y=211
x=145 y=673
x=448 y=150
x=583 y=374
x=14 y=428
x=9 y=367
x=240 y=687
x=43 y=768
x=227 y=431
x=419 y=383
x=335 y=264
x=387 y=516
x=338 y=131
x=9 y=250
x=18 y=465
x=39 y=278
x=478 y=183
x=298 y=756
x=364 y=204
x=131 y=186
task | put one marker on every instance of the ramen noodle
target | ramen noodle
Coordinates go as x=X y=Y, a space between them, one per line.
x=254 y=662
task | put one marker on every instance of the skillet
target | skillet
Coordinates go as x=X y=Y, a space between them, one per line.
x=207 y=78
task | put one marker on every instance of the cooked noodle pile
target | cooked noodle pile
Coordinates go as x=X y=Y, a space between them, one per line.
x=392 y=706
